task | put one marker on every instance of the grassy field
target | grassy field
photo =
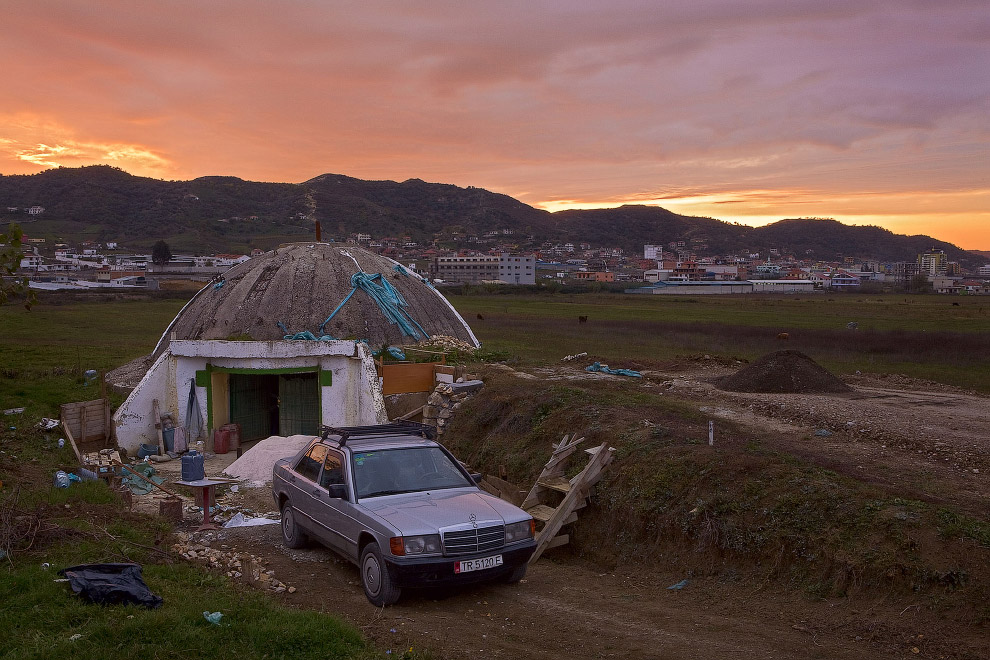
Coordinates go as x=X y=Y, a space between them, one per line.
x=680 y=497
x=926 y=337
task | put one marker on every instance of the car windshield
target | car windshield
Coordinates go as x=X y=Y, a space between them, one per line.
x=393 y=471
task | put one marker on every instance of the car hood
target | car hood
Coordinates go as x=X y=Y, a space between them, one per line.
x=426 y=512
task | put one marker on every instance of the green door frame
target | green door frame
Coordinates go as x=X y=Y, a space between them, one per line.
x=204 y=379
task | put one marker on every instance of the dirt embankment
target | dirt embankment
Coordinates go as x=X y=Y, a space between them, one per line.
x=905 y=438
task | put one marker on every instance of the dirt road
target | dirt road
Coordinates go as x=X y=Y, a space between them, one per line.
x=570 y=610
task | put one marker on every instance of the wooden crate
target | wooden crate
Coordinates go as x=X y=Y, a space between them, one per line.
x=87 y=421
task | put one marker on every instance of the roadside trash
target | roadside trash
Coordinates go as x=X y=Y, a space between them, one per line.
x=90 y=375
x=138 y=485
x=147 y=450
x=603 y=368
x=45 y=566
x=568 y=358
x=61 y=442
x=213 y=617
x=87 y=475
x=823 y=433
x=63 y=479
x=240 y=520
x=677 y=587
x=111 y=584
x=75 y=637
x=396 y=352
x=47 y=424
x=13 y=411
x=193 y=468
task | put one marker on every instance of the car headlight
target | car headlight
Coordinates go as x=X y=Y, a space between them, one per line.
x=520 y=531
x=426 y=544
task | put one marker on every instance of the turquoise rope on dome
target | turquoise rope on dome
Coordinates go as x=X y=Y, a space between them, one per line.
x=389 y=301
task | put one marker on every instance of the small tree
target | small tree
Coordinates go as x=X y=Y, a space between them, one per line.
x=161 y=254
x=10 y=261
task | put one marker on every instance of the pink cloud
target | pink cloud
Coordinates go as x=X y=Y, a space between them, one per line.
x=576 y=100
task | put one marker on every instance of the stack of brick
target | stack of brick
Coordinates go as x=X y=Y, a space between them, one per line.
x=445 y=399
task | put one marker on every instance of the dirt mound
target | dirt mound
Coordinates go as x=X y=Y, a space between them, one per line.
x=783 y=371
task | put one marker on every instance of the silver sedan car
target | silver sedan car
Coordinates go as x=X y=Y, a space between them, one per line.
x=396 y=503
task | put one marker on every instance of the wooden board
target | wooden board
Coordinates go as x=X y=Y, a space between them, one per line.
x=405 y=378
x=87 y=420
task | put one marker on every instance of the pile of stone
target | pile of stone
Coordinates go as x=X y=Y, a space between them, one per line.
x=248 y=567
x=445 y=399
x=447 y=343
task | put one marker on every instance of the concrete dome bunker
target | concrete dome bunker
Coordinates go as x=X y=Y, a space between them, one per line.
x=227 y=347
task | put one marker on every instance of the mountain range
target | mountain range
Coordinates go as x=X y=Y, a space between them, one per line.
x=220 y=214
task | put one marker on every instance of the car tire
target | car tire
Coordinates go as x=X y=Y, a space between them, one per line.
x=292 y=536
x=378 y=584
x=515 y=575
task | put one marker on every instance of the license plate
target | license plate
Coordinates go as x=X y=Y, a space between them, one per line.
x=468 y=565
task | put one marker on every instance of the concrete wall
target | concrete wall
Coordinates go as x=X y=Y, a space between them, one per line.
x=353 y=398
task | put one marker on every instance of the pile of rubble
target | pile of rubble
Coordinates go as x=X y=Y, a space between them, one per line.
x=248 y=567
x=446 y=343
x=445 y=399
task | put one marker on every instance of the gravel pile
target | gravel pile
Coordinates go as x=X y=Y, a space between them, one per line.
x=785 y=372
x=255 y=466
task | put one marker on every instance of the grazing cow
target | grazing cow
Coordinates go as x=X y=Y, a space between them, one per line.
x=582 y=319
x=783 y=335
x=480 y=317
x=955 y=304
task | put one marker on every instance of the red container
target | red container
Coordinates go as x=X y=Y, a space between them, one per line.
x=221 y=441
x=234 y=434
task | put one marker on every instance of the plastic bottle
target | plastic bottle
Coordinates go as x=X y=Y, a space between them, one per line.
x=61 y=479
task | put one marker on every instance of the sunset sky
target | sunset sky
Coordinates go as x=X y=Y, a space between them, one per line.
x=748 y=111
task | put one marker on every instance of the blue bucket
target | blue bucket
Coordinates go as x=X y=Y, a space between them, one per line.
x=147 y=450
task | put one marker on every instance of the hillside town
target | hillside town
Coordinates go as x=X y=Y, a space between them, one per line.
x=498 y=257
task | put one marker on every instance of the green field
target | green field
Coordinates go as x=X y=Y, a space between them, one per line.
x=926 y=337
x=45 y=351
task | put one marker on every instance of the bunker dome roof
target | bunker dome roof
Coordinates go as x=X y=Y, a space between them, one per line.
x=299 y=286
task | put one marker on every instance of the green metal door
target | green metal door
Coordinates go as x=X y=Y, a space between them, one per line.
x=254 y=404
x=299 y=404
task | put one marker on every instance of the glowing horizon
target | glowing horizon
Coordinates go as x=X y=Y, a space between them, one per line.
x=865 y=112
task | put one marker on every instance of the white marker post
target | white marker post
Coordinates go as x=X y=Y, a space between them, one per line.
x=711 y=433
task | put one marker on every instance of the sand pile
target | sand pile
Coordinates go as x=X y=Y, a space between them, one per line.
x=783 y=371
x=255 y=465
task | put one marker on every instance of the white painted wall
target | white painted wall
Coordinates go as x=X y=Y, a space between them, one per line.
x=353 y=399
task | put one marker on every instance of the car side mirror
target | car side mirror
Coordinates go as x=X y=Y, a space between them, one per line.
x=476 y=477
x=338 y=491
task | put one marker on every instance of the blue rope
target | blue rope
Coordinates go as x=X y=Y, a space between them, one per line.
x=598 y=366
x=389 y=301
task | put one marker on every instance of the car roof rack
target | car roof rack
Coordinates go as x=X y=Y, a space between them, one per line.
x=401 y=427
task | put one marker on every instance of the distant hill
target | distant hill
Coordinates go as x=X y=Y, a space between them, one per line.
x=227 y=214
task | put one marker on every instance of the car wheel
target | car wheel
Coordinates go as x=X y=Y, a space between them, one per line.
x=378 y=585
x=516 y=574
x=292 y=536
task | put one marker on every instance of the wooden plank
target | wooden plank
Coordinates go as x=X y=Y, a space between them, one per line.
x=412 y=413
x=559 y=484
x=578 y=492
x=541 y=512
x=156 y=485
x=506 y=490
x=557 y=541
x=157 y=419
x=404 y=378
x=72 y=442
